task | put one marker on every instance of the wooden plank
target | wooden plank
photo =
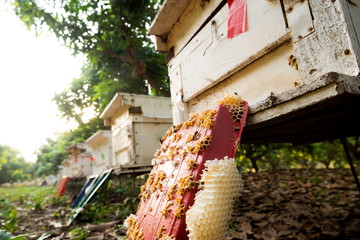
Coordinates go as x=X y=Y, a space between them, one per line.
x=212 y=57
x=297 y=104
x=327 y=119
x=195 y=15
x=329 y=48
x=121 y=137
x=300 y=20
x=146 y=140
x=290 y=3
x=167 y=16
x=179 y=108
x=269 y=75
x=352 y=17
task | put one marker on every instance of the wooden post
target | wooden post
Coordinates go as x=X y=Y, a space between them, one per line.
x=349 y=159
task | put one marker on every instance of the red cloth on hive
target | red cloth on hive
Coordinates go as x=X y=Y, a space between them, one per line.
x=237 y=17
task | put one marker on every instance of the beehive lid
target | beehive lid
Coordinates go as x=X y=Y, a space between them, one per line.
x=98 y=138
x=167 y=16
x=76 y=148
x=146 y=105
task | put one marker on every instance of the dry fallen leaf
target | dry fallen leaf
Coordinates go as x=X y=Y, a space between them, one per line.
x=255 y=215
x=246 y=227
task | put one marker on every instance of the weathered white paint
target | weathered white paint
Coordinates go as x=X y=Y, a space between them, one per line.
x=277 y=70
x=193 y=17
x=179 y=108
x=101 y=148
x=147 y=134
x=121 y=102
x=78 y=163
x=300 y=20
x=325 y=50
x=352 y=18
x=271 y=74
x=169 y=14
x=211 y=57
x=135 y=136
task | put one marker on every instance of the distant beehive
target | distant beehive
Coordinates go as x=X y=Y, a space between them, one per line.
x=101 y=148
x=297 y=63
x=137 y=122
x=79 y=163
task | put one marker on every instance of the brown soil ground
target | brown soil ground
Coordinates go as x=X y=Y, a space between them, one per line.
x=285 y=204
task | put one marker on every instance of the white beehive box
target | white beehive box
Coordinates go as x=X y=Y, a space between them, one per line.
x=65 y=168
x=138 y=122
x=101 y=149
x=297 y=64
x=79 y=159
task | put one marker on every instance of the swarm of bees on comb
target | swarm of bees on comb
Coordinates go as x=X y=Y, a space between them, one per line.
x=180 y=147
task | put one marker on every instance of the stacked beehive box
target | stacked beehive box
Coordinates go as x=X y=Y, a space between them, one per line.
x=79 y=162
x=297 y=63
x=137 y=124
x=101 y=149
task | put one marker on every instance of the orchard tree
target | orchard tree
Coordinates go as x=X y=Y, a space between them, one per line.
x=13 y=167
x=112 y=35
x=120 y=58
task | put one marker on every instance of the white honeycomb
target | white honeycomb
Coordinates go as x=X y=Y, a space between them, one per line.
x=133 y=230
x=221 y=184
x=235 y=105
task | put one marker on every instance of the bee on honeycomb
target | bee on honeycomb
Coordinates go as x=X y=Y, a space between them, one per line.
x=157 y=182
x=160 y=232
x=191 y=121
x=189 y=138
x=186 y=184
x=133 y=230
x=167 y=209
x=203 y=144
x=179 y=211
x=176 y=137
x=191 y=164
x=170 y=193
x=207 y=119
x=235 y=105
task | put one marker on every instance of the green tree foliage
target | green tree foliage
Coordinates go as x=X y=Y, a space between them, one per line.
x=120 y=58
x=51 y=154
x=112 y=34
x=353 y=144
x=13 y=167
x=281 y=156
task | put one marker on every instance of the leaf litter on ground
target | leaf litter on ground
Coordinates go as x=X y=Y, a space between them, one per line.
x=285 y=204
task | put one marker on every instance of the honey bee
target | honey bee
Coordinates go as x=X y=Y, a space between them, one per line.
x=186 y=184
x=179 y=211
x=191 y=164
x=160 y=232
x=171 y=192
x=167 y=209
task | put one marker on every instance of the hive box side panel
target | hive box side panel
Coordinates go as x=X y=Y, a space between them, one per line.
x=120 y=117
x=147 y=137
x=352 y=16
x=102 y=158
x=269 y=75
x=85 y=164
x=330 y=48
x=150 y=105
x=122 y=157
x=194 y=16
x=210 y=57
